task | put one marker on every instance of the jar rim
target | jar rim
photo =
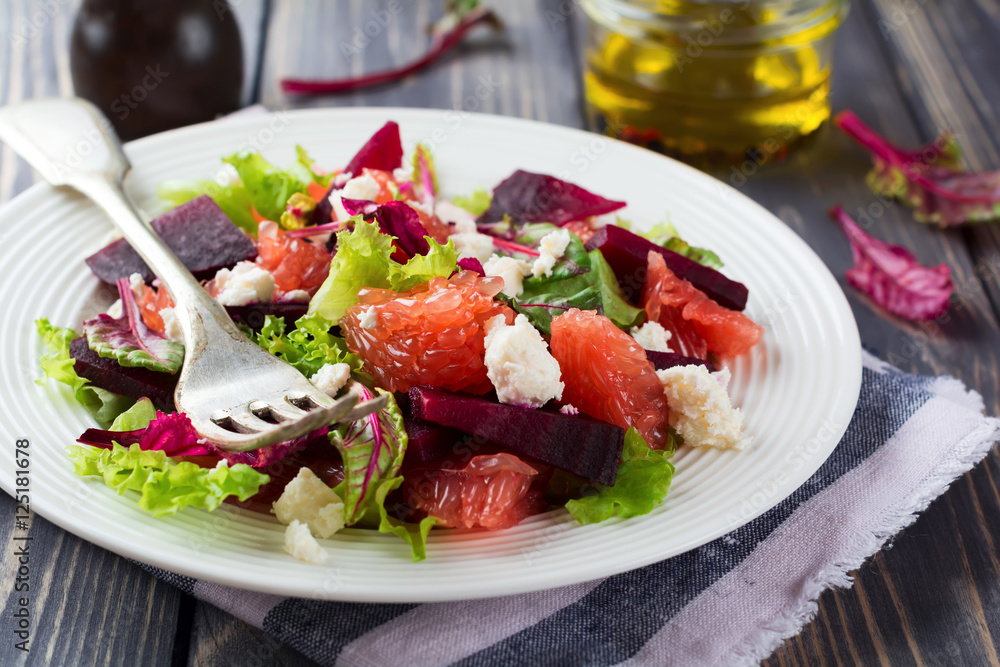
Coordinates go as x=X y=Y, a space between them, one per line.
x=640 y=17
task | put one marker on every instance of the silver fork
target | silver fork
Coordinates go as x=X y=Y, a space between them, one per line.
x=235 y=393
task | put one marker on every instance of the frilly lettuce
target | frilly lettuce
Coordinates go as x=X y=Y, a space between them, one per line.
x=58 y=365
x=135 y=418
x=309 y=346
x=165 y=486
x=643 y=481
x=364 y=259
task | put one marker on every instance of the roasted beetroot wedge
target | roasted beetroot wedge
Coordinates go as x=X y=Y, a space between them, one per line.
x=626 y=253
x=586 y=447
x=199 y=233
x=132 y=382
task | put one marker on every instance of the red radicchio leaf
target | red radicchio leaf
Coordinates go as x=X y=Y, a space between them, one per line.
x=892 y=277
x=445 y=35
x=397 y=219
x=383 y=151
x=927 y=179
x=528 y=197
x=471 y=264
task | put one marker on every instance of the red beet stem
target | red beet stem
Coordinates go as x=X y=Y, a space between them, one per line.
x=439 y=47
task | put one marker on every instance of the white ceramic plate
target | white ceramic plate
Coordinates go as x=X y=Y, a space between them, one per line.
x=798 y=388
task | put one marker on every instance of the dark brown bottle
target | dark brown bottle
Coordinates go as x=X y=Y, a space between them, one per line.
x=153 y=65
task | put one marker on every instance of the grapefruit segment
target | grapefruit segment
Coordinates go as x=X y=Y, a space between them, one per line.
x=607 y=374
x=698 y=323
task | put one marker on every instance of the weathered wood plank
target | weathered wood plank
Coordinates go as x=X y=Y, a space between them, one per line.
x=524 y=72
x=86 y=605
x=937 y=588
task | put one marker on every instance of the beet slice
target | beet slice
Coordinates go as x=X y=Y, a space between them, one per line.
x=662 y=360
x=429 y=442
x=583 y=446
x=253 y=315
x=626 y=253
x=528 y=197
x=199 y=233
x=384 y=150
x=132 y=382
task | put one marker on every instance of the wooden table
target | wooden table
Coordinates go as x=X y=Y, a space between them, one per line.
x=909 y=67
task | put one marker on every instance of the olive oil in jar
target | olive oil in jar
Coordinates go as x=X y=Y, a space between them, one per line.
x=712 y=82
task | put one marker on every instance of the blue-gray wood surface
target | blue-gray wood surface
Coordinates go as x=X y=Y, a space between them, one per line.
x=911 y=67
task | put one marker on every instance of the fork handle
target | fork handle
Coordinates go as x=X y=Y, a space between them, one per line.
x=195 y=309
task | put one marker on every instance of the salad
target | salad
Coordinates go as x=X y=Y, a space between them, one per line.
x=536 y=352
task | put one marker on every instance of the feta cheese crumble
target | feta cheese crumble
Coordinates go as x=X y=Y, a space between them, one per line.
x=652 y=336
x=550 y=248
x=513 y=271
x=171 y=325
x=361 y=187
x=137 y=284
x=115 y=310
x=473 y=244
x=295 y=296
x=569 y=409
x=308 y=500
x=244 y=284
x=300 y=544
x=331 y=378
x=369 y=318
x=448 y=213
x=700 y=409
x=519 y=364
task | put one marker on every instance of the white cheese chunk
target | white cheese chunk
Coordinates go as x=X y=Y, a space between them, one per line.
x=308 y=500
x=550 y=249
x=331 y=378
x=369 y=318
x=569 y=409
x=519 y=364
x=244 y=284
x=464 y=222
x=115 y=310
x=513 y=271
x=700 y=408
x=339 y=212
x=473 y=244
x=171 y=325
x=652 y=336
x=361 y=187
x=300 y=543
x=295 y=296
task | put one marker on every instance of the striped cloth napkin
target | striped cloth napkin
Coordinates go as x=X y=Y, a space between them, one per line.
x=730 y=602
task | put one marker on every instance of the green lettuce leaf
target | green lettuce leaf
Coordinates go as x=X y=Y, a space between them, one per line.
x=616 y=306
x=643 y=481
x=308 y=347
x=477 y=203
x=135 y=418
x=372 y=449
x=363 y=259
x=165 y=486
x=309 y=165
x=665 y=234
x=232 y=199
x=413 y=534
x=579 y=280
x=58 y=365
x=268 y=187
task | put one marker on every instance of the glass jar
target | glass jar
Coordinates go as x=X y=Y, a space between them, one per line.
x=711 y=82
